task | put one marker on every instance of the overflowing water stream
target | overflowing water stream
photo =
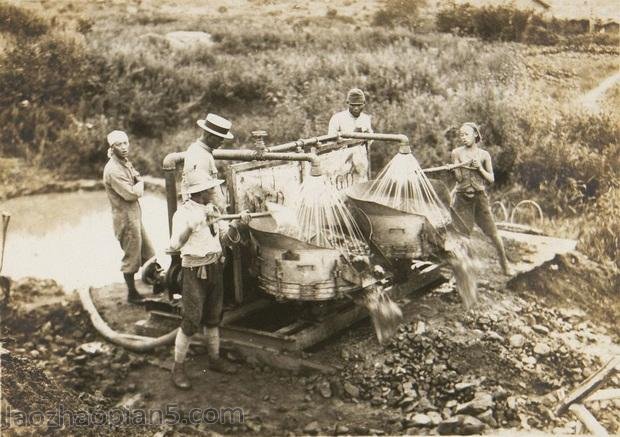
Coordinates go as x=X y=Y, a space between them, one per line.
x=68 y=237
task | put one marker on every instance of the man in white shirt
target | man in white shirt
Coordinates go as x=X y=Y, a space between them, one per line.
x=352 y=119
x=199 y=155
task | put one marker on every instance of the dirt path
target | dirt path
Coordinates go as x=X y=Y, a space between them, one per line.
x=592 y=99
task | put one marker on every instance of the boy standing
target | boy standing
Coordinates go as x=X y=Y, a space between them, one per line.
x=471 y=202
x=199 y=238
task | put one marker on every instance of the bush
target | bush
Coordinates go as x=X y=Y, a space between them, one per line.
x=491 y=23
x=563 y=164
x=398 y=12
x=507 y=23
x=21 y=22
x=53 y=70
x=540 y=35
x=601 y=236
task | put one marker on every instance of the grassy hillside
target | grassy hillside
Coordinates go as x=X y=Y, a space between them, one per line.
x=72 y=71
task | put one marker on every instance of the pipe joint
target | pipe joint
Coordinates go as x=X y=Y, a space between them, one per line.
x=171 y=160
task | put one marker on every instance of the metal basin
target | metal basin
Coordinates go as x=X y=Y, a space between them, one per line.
x=292 y=269
x=398 y=234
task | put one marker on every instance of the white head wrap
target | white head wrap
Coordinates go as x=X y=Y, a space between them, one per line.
x=117 y=136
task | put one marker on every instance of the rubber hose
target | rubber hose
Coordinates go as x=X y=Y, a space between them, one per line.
x=131 y=342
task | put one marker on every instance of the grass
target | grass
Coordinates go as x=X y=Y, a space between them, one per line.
x=287 y=75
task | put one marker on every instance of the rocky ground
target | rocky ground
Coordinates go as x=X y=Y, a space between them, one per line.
x=503 y=366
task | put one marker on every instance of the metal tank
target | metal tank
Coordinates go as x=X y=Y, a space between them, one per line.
x=289 y=268
x=397 y=234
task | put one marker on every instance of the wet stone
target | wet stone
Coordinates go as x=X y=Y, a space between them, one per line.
x=487 y=418
x=542 y=349
x=341 y=430
x=541 y=329
x=313 y=428
x=325 y=389
x=351 y=390
x=470 y=425
x=464 y=385
x=449 y=426
x=435 y=417
x=517 y=340
x=481 y=403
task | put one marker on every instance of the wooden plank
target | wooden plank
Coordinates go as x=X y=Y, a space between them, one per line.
x=228 y=317
x=293 y=327
x=589 y=385
x=276 y=359
x=604 y=395
x=245 y=310
x=588 y=419
x=328 y=327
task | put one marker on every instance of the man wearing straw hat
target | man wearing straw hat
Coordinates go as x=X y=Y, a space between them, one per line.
x=198 y=234
x=199 y=156
x=471 y=202
x=352 y=119
x=124 y=187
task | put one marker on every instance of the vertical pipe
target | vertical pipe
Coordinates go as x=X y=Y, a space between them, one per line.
x=169 y=165
x=171 y=195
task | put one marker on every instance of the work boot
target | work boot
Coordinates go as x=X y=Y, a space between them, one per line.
x=179 y=377
x=132 y=294
x=219 y=364
x=134 y=297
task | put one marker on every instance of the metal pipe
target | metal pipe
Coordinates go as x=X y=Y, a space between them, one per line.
x=169 y=165
x=445 y=167
x=303 y=142
x=259 y=155
x=171 y=195
x=372 y=136
x=172 y=160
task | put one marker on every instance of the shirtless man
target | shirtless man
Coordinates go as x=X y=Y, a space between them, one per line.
x=471 y=202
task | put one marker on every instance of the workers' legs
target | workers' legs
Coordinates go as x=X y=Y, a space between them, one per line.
x=132 y=293
x=181 y=346
x=193 y=301
x=146 y=247
x=131 y=242
x=212 y=317
x=484 y=219
x=463 y=212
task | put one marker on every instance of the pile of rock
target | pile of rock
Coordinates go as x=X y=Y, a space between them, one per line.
x=483 y=371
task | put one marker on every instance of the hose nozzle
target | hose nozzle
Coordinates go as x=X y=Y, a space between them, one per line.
x=405 y=149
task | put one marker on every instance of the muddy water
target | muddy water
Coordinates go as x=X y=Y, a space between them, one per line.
x=68 y=237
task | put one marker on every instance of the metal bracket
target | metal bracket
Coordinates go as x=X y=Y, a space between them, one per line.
x=279 y=274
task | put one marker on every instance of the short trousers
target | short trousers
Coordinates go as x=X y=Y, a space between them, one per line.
x=203 y=299
x=475 y=210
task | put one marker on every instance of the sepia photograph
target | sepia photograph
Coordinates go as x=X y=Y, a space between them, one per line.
x=309 y=217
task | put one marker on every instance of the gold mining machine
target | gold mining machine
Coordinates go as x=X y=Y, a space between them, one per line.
x=356 y=242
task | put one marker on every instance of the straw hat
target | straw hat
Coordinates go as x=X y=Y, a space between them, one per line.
x=217 y=126
x=198 y=181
